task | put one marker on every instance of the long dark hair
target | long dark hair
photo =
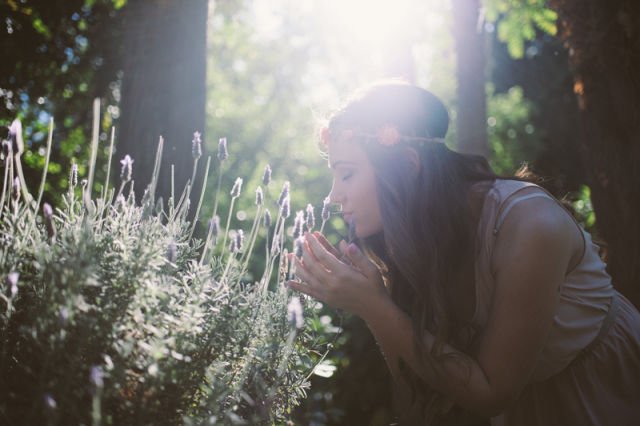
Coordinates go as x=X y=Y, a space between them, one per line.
x=427 y=246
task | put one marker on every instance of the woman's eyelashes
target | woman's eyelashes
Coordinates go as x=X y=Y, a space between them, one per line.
x=346 y=177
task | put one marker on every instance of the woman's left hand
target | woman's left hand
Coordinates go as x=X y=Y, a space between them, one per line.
x=352 y=284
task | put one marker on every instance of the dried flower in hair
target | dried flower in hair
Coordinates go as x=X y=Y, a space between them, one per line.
x=311 y=219
x=325 y=209
x=298 y=224
x=294 y=312
x=259 y=196
x=127 y=168
x=12 y=282
x=388 y=136
x=223 y=154
x=15 y=189
x=284 y=193
x=266 y=176
x=267 y=218
x=172 y=252
x=285 y=208
x=324 y=136
x=237 y=188
x=196 y=146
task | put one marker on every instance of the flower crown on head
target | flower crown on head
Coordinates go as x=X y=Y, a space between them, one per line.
x=387 y=135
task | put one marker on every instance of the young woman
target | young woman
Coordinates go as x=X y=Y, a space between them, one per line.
x=486 y=297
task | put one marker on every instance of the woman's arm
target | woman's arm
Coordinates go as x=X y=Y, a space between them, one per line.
x=531 y=257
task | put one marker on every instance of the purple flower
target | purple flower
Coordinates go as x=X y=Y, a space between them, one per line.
x=298 y=246
x=127 y=168
x=237 y=187
x=266 y=177
x=285 y=207
x=47 y=211
x=12 y=281
x=73 y=177
x=325 y=209
x=298 y=224
x=97 y=377
x=294 y=312
x=214 y=227
x=223 y=154
x=239 y=239
x=284 y=193
x=49 y=402
x=259 y=196
x=267 y=218
x=196 y=146
x=15 y=188
x=172 y=252
x=311 y=219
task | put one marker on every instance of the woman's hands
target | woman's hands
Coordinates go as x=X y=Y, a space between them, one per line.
x=344 y=279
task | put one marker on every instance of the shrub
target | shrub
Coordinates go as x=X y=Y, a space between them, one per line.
x=113 y=313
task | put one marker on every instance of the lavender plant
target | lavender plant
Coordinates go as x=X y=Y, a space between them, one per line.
x=113 y=313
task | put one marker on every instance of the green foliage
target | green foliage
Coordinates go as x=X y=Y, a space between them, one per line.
x=111 y=313
x=518 y=21
x=512 y=137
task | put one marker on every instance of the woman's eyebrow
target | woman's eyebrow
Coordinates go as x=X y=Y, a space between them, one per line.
x=341 y=163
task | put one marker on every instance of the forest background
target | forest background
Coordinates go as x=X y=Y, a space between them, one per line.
x=552 y=83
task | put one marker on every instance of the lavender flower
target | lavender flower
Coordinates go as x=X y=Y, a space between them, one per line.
x=73 y=177
x=325 y=209
x=127 y=168
x=239 y=239
x=284 y=193
x=294 y=311
x=214 y=227
x=298 y=224
x=47 y=211
x=285 y=207
x=267 y=218
x=196 y=146
x=233 y=246
x=15 y=136
x=6 y=149
x=97 y=377
x=15 y=189
x=12 y=281
x=237 y=188
x=223 y=154
x=259 y=196
x=49 y=402
x=172 y=252
x=63 y=315
x=298 y=246
x=311 y=219
x=266 y=177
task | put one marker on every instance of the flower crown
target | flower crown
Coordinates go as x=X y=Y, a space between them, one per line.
x=387 y=135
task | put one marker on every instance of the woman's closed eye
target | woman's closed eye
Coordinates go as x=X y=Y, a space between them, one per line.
x=346 y=176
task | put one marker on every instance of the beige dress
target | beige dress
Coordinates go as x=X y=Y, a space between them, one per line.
x=589 y=370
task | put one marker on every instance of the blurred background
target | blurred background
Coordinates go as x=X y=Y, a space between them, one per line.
x=548 y=83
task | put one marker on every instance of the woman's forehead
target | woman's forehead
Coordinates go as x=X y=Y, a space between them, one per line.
x=341 y=153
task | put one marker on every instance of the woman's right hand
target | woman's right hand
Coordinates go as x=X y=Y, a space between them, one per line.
x=353 y=283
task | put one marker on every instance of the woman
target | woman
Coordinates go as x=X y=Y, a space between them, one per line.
x=485 y=296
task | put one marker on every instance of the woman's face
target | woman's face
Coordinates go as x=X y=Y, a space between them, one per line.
x=354 y=187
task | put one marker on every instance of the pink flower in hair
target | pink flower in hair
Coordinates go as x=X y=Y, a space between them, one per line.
x=388 y=135
x=324 y=136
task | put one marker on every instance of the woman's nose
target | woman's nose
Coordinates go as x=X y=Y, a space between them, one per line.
x=335 y=196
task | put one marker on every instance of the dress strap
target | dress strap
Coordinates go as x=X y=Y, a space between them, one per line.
x=512 y=202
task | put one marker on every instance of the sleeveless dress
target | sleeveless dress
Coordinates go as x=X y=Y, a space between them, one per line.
x=588 y=372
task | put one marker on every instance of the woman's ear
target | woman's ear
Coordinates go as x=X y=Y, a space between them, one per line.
x=413 y=160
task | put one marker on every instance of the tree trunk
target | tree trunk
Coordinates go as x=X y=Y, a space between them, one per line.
x=163 y=89
x=471 y=119
x=604 y=41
